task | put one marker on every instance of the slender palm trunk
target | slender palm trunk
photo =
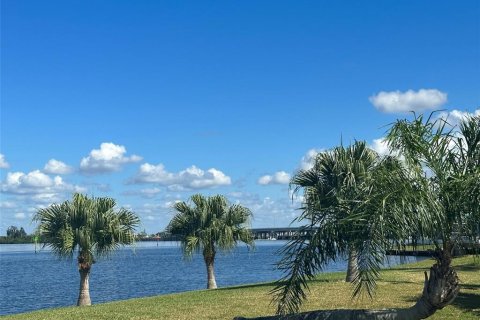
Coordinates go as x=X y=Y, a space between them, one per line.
x=84 y=267
x=209 y=257
x=352 y=268
x=439 y=290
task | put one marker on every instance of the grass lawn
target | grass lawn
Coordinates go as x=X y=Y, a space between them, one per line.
x=399 y=287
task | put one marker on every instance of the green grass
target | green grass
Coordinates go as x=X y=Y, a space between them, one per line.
x=399 y=287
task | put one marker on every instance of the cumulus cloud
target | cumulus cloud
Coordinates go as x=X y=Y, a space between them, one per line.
x=267 y=211
x=380 y=146
x=308 y=160
x=110 y=157
x=399 y=102
x=280 y=177
x=454 y=117
x=57 y=167
x=190 y=178
x=3 y=163
x=36 y=183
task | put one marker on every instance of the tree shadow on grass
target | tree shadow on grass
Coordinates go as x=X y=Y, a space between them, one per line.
x=268 y=284
x=467 y=267
x=400 y=282
x=247 y=286
x=408 y=269
x=468 y=302
x=470 y=286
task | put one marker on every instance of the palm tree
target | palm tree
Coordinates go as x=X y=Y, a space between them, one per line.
x=350 y=208
x=89 y=226
x=354 y=201
x=433 y=192
x=337 y=186
x=208 y=225
x=446 y=162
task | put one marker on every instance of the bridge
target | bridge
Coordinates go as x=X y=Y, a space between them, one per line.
x=258 y=234
x=277 y=233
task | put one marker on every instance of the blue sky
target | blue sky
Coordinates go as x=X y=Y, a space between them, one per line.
x=151 y=101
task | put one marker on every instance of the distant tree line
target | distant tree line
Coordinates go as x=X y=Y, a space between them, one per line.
x=18 y=235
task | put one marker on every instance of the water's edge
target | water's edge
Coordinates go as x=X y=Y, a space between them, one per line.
x=32 y=281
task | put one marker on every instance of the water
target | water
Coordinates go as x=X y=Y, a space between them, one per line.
x=31 y=281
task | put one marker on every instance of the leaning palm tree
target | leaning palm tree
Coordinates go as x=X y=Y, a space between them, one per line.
x=337 y=185
x=354 y=201
x=210 y=224
x=90 y=227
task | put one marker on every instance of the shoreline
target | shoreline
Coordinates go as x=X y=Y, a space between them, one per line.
x=254 y=299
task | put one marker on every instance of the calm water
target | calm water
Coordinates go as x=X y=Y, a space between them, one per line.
x=32 y=281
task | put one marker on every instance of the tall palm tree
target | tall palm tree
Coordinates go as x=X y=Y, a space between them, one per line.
x=90 y=227
x=210 y=224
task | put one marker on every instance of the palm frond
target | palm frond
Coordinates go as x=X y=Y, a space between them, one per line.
x=90 y=226
x=210 y=222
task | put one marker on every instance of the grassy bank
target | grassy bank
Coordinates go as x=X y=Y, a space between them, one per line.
x=399 y=287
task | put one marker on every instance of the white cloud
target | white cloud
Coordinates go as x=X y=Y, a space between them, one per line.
x=454 y=117
x=190 y=178
x=57 y=167
x=396 y=101
x=33 y=180
x=267 y=212
x=110 y=157
x=380 y=146
x=280 y=177
x=3 y=163
x=308 y=159
x=41 y=187
x=170 y=204
x=20 y=215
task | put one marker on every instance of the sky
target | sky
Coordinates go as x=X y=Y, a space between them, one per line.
x=149 y=102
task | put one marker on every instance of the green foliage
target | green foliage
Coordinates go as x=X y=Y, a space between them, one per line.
x=14 y=233
x=90 y=226
x=353 y=200
x=210 y=223
x=445 y=161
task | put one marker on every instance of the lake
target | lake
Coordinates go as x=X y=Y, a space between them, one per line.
x=32 y=281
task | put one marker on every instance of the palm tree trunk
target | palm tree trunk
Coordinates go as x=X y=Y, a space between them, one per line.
x=84 y=294
x=84 y=267
x=438 y=291
x=352 y=268
x=209 y=257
